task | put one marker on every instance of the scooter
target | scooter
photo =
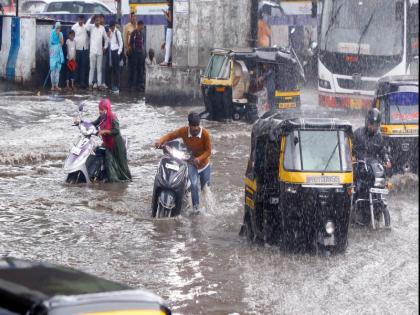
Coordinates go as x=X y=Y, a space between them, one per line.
x=172 y=183
x=86 y=161
x=369 y=200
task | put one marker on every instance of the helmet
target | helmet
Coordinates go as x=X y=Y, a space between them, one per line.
x=373 y=117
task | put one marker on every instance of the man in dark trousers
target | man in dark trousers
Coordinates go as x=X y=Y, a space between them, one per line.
x=115 y=50
x=136 y=48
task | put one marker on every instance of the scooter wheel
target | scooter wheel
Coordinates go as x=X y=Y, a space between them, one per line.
x=236 y=116
x=387 y=217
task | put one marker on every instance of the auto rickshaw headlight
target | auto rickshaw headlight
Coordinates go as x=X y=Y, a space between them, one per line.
x=329 y=227
x=291 y=188
x=379 y=182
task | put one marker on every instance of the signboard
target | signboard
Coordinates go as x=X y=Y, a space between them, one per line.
x=181 y=7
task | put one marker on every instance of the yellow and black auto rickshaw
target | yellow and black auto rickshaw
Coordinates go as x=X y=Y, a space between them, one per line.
x=298 y=183
x=397 y=98
x=234 y=81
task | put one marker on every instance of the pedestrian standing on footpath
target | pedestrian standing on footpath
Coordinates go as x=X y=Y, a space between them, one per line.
x=106 y=57
x=127 y=30
x=56 y=55
x=71 y=60
x=98 y=39
x=116 y=49
x=136 y=49
x=168 y=40
x=82 y=52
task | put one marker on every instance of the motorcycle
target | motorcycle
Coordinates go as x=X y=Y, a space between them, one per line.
x=86 y=161
x=171 y=182
x=371 y=189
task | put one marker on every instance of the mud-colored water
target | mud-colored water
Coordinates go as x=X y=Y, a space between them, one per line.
x=198 y=264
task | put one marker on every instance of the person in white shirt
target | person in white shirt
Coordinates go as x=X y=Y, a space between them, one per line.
x=98 y=42
x=82 y=51
x=71 y=60
x=115 y=49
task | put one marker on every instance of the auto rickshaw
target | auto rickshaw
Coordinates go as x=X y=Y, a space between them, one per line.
x=232 y=84
x=36 y=288
x=298 y=183
x=397 y=98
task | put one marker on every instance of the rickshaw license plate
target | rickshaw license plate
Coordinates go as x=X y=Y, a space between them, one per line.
x=287 y=105
x=379 y=191
x=75 y=150
x=323 y=180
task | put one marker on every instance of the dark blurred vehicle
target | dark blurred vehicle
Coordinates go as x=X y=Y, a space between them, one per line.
x=36 y=288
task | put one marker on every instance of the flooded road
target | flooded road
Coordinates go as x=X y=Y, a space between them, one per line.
x=198 y=264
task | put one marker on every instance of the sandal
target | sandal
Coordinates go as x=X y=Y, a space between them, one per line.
x=164 y=64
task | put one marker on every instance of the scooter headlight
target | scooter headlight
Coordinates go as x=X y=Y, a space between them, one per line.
x=330 y=228
x=379 y=182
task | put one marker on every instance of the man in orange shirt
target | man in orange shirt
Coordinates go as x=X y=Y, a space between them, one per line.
x=197 y=140
x=264 y=32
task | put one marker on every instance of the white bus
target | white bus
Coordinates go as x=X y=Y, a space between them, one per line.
x=361 y=41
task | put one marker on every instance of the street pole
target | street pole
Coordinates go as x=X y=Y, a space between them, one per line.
x=17 y=7
x=254 y=23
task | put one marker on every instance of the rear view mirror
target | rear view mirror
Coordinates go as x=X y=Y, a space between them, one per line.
x=314 y=45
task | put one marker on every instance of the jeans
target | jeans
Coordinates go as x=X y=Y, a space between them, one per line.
x=194 y=176
x=55 y=76
x=137 y=69
x=82 y=58
x=95 y=64
x=115 y=69
x=168 y=44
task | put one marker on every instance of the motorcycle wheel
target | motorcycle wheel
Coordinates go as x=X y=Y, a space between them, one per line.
x=387 y=217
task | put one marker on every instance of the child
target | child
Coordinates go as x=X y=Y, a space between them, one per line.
x=151 y=60
x=71 y=59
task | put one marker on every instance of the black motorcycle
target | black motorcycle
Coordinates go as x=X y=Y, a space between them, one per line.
x=369 y=199
x=171 y=181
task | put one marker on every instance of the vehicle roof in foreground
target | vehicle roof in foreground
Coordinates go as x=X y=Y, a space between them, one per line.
x=282 y=122
x=26 y=283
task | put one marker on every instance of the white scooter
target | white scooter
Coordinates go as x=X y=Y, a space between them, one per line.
x=85 y=163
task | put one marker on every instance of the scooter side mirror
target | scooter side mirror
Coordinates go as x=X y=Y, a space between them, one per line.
x=292 y=30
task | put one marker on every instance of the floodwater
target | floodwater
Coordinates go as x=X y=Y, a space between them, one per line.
x=198 y=264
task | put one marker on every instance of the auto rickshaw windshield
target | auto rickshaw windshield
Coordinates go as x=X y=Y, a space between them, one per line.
x=218 y=67
x=403 y=108
x=317 y=151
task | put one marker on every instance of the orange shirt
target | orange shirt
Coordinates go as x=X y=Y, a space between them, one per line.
x=264 y=33
x=200 y=146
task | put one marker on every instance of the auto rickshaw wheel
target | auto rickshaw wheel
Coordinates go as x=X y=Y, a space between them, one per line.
x=247 y=228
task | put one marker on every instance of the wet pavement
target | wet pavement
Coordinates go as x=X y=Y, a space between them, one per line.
x=198 y=264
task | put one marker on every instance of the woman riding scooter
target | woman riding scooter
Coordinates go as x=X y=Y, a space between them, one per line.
x=115 y=153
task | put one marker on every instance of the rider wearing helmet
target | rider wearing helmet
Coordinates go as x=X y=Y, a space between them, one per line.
x=368 y=141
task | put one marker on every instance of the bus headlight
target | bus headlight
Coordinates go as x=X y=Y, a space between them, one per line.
x=329 y=228
x=324 y=84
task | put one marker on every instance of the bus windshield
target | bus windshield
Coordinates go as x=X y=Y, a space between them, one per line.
x=317 y=151
x=404 y=108
x=345 y=23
